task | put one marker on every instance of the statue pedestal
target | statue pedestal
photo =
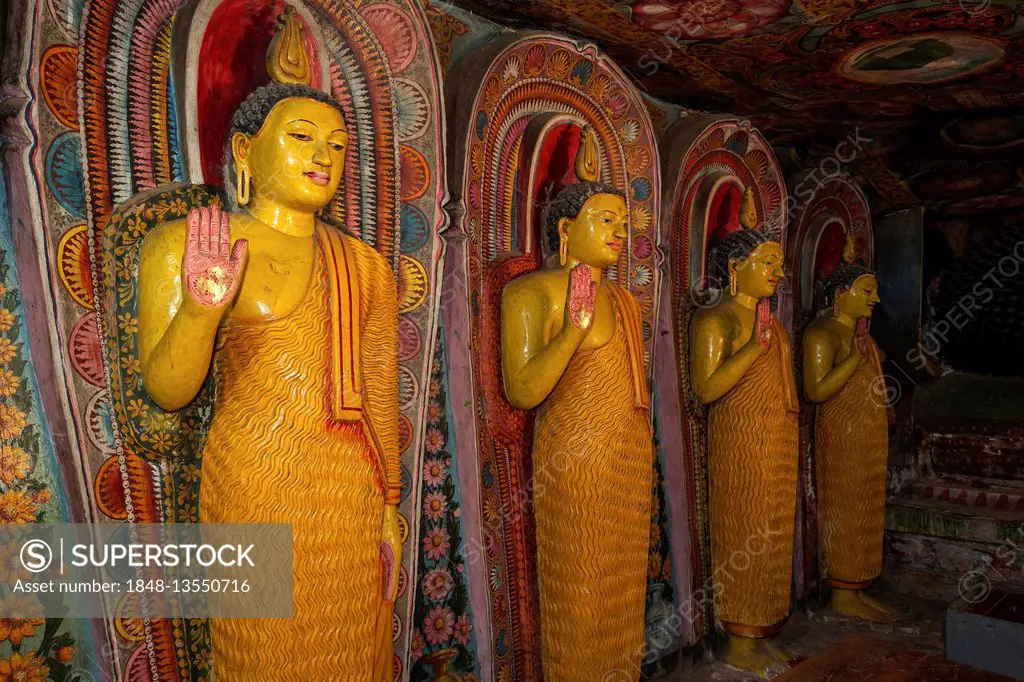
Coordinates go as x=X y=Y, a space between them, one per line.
x=987 y=634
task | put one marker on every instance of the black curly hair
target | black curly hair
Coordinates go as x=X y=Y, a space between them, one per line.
x=842 y=277
x=568 y=203
x=252 y=114
x=736 y=246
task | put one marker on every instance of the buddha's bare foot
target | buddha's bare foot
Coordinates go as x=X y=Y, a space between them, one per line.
x=849 y=603
x=777 y=652
x=886 y=612
x=751 y=655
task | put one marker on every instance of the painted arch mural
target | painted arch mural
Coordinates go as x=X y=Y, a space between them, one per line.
x=130 y=95
x=514 y=131
x=711 y=161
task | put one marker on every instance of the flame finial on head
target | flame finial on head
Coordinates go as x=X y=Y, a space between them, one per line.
x=748 y=210
x=850 y=250
x=588 y=157
x=287 y=61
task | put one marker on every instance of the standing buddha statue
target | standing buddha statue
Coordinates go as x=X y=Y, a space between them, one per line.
x=299 y=324
x=741 y=365
x=841 y=372
x=572 y=348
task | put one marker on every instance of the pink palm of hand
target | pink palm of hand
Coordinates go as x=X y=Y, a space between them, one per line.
x=582 y=297
x=862 y=336
x=212 y=266
x=764 y=322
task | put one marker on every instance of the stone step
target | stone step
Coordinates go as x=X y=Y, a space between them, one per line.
x=944 y=569
x=967 y=494
x=949 y=519
x=997 y=456
x=943 y=543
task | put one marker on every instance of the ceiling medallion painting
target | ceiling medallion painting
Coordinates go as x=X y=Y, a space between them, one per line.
x=894 y=54
x=707 y=19
x=920 y=59
x=962 y=181
x=929 y=89
x=985 y=133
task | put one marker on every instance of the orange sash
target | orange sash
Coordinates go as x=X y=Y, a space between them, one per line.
x=786 y=362
x=876 y=359
x=346 y=372
x=346 y=365
x=634 y=340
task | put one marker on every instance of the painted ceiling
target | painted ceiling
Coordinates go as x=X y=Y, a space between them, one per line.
x=929 y=96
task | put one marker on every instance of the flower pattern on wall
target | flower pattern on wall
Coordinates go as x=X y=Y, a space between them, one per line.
x=442 y=615
x=33 y=649
x=704 y=19
x=661 y=591
x=24 y=493
x=659 y=569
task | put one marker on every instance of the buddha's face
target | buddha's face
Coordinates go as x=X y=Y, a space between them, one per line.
x=297 y=157
x=759 y=273
x=598 y=234
x=859 y=300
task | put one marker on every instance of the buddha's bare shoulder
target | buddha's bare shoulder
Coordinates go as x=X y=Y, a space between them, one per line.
x=166 y=238
x=537 y=284
x=715 y=319
x=820 y=331
x=535 y=290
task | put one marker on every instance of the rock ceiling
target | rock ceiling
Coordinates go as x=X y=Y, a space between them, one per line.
x=933 y=92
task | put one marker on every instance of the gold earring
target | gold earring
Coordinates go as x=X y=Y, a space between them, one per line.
x=242 y=186
x=732 y=283
x=563 y=251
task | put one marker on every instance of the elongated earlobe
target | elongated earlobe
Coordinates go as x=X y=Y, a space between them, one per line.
x=835 y=302
x=563 y=241
x=242 y=186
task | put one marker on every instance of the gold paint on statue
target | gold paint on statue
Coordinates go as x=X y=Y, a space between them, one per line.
x=748 y=210
x=294 y=438
x=572 y=347
x=842 y=371
x=849 y=250
x=588 y=158
x=741 y=365
x=287 y=61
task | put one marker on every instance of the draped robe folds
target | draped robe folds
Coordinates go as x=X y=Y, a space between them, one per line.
x=753 y=453
x=305 y=432
x=851 y=453
x=593 y=462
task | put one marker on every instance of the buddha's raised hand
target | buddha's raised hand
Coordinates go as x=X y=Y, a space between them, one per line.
x=861 y=337
x=581 y=298
x=764 y=322
x=212 y=266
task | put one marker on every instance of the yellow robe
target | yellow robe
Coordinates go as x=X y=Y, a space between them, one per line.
x=592 y=464
x=276 y=453
x=753 y=441
x=852 y=452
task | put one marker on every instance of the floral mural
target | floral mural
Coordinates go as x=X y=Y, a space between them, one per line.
x=659 y=569
x=895 y=89
x=31 y=649
x=662 y=637
x=443 y=635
